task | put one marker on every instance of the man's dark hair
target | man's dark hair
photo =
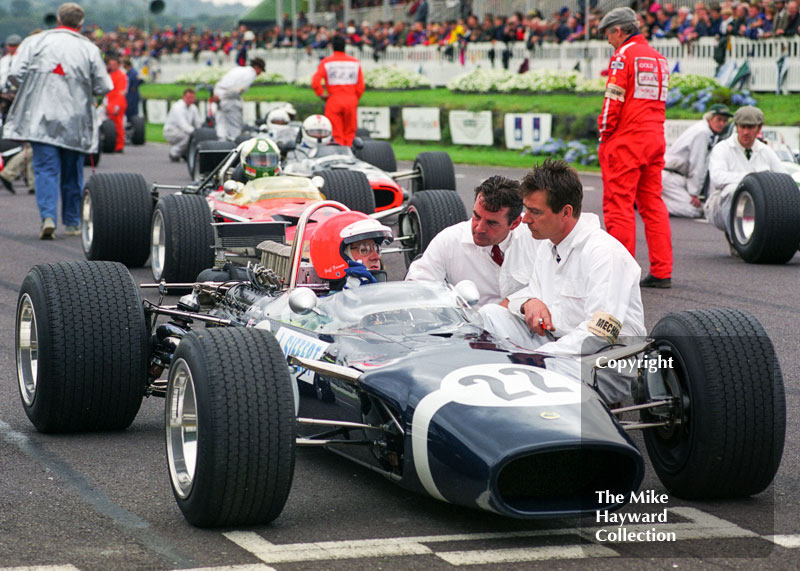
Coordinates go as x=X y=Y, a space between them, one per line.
x=338 y=43
x=560 y=181
x=498 y=192
x=188 y=90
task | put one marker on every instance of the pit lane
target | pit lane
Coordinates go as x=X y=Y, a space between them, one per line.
x=103 y=501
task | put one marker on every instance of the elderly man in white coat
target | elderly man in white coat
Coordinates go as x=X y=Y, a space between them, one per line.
x=686 y=163
x=732 y=160
x=182 y=120
x=228 y=94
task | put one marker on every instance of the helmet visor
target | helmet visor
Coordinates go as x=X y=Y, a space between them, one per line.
x=262 y=159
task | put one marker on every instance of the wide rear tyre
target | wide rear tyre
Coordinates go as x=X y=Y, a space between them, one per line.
x=230 y=445
x=351 y=188
x=728 y=441
x=108 y=136
x=436 y=171
x=115 y=219
x=379 y=154
x=182 y=240
x=199 y=135
x=200 y=170
x=427 y=214
x=81 y=347
x=765 y=218
x=365 y=134
x=137 y=130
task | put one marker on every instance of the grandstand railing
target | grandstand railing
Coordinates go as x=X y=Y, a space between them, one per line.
x=590 y=57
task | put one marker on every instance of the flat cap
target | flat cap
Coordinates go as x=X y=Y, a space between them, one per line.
x=720 y=109
x=617 y=17
x=748 y=115
x=13 y=40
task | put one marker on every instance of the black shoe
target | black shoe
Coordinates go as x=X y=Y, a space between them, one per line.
x=8 y=185
x=650 y=281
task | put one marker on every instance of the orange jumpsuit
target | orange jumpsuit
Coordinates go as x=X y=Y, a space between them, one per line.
x=116 y=104
x=344 y=81
x=631 y=152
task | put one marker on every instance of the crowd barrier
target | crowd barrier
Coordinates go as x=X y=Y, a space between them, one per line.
x=440 y=65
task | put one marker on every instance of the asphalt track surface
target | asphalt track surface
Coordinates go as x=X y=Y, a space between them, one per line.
x=98 y=502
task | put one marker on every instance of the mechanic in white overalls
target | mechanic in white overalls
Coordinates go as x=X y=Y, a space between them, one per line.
x=183 y=118
x=228 y=95
x=491 y=248
x=583 y=292
x=686 y=163
x=732 y=160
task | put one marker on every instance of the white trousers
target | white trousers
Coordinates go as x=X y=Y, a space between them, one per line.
x=178 y=139
x=229 y=119
x=718 y=207
x=677 y=197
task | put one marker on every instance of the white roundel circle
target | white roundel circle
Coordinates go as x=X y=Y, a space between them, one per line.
x=263 y=146
x=509 y=385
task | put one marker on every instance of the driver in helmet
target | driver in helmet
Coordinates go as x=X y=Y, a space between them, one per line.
x=346 y=249
x=259 y=157
x=276 y=120
x=317 y=130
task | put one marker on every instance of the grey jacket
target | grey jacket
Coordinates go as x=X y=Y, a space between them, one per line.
x=59 y=73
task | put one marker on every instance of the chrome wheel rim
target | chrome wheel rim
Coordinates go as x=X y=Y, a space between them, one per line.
x=27 y=350
x=744 y=218
x=158 y=249
x=182 y=428
x=87 y=222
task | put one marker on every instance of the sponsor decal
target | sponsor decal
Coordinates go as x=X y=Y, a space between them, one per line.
x=614 y=91
x=295 y=343
x=342 y=72
x=617 y=65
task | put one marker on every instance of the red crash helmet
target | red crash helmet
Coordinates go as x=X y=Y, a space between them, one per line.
x=331 y=238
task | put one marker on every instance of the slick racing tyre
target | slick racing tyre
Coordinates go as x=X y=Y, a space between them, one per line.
x=181 y=238
x=765 y=218
x=379 y=154
x=137 y=128
x=351 y=188
x=436 y=171
x=428 y=213
x=728 y=427
x=200 y=170
x=81 y=347
x=108 y=136
x=199 y=135
x=363 y=133
x=230 y=445
x=115 y=219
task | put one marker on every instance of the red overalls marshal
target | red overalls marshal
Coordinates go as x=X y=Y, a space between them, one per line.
x=632 y=146
x=344 y=82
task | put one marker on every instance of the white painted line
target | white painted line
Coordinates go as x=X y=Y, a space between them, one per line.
x=700 y=220
x=589 y=188
x=460 y=175
x=788 y=541
x=248 y=567
x=42 y=568
x=526 y=554
x=270 y=553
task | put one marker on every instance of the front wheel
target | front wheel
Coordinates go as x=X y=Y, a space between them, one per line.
x=436 y=171
x=727 y=432
x=137 y=130
x=351 y=188
x=427 y=214
x=765 y=218
x=230 y=445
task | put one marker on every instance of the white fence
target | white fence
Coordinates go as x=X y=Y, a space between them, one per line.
x=436 y=65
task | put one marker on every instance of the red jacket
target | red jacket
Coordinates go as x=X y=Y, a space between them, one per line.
x=116 y=97
x=636 y=91
x=342 y=76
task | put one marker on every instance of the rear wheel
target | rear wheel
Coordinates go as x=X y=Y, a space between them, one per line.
x=137 y=130
x=181 y=238
x=727 y=437
x=363 y=133
x=351 y=188
x=81 y=347
x=765 y=218
x=108 y=136
x=429 y=213
x=436 y=171
x=115 y=218
x=379 y=154
x=199 y=135
x=230 y=446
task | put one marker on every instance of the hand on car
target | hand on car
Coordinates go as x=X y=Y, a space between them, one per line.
x=360 y=271
x=537 y=316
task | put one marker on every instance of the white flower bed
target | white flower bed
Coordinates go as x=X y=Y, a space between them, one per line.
x=214 y=74
x=688 y=82
x=596 y=85
x=541 y=80
x=480 y=80
x=393 y=77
